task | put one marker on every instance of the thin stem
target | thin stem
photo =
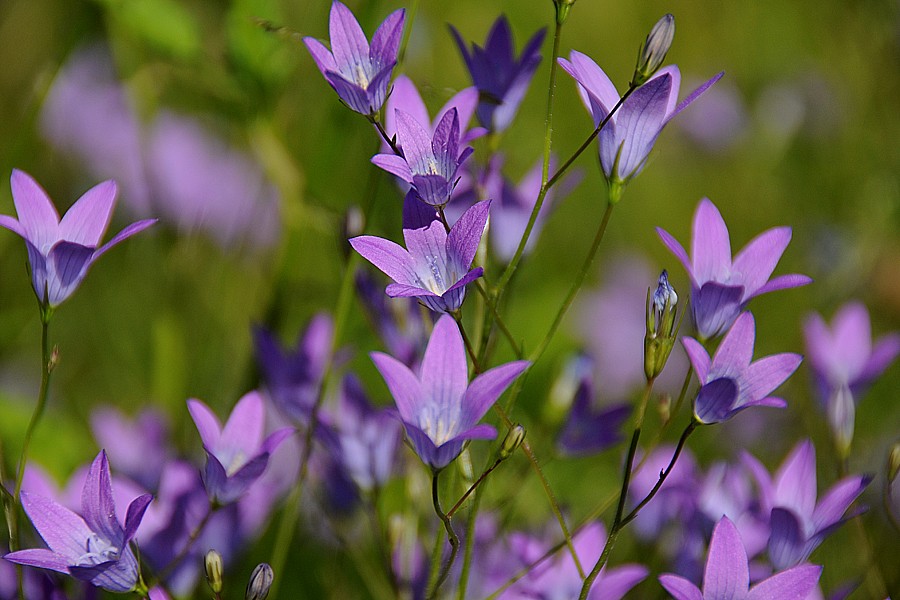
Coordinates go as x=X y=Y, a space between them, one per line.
x=576 y=285
x=451 y=536
x=172 y=564
x=468 y=343
x=470 y=545
x=888 y=503
x=516 y=348
x=665 y=426
x=389 y=140
x=404 y=42
x=473 y=487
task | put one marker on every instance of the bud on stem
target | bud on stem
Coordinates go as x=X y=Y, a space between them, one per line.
x=260 y=582
x=512 y=441
x=654 y=50
x=214 y=571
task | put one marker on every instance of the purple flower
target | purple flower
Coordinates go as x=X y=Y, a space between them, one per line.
x=627 y=139
x=730 y=382
x=236 y=455
x=501 y=79
x=845 y=362
x=92 y=547
x=727 y=576
x=439 y=407
x=139 y=445
x=798 y=523
x=61 y=252
x=359 y=73
x=293 y=377
x=430 y=160
x=720 y=288
x=398 y=321
x=435 y=266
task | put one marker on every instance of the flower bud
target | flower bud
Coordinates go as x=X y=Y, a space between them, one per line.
x=893 y=463
x=512 y=441
x=260 y=582
x=562 y=10
x=654 y=50
x=54 y=358
x=661 y=325
x=214 y=571
x=842 y=417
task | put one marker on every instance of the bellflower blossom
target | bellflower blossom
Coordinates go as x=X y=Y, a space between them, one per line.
x=236 y=455
x=798 y=522
x=435 y=266
x=844 y=362
x=727 y=576
x=500 y=77
x=431 y=160
x=358 y=72
x=628 y=137
x=92 y=547
x=730 y=382
x=720 y=287
x=60 y=252
x=439 y=408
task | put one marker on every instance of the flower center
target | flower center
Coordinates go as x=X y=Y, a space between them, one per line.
x=98 y=551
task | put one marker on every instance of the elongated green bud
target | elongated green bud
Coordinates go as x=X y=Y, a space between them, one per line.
x=260 y=582
x=214 y=571
x=654 y=50
x=894 y=463
x=562 y=10
x=512 y=441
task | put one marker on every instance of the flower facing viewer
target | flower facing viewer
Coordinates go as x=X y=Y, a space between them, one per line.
x=720 y=287
x=434 y=267
x=92 y=547
x=358 y=72
x=60 y=252
x=730 y=382
x=439 y=408
x=236 y=455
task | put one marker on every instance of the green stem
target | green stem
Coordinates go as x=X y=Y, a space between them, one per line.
x=470 y=545
x=451 y=536
x=457 y=316
x=473 y=487
x=576 y=285
x=498 y=320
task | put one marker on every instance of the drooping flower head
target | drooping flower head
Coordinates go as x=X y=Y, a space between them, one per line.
x=720 y=288
x=727 y=576
x=431 y=160
x=627 y=139
x=500 y=77
x=236 y=455
x=60 y=252
x=434 y=267
x=729 y=381
x=439 y=408
x=358 y=72
x=845 y=362
x=93 y=547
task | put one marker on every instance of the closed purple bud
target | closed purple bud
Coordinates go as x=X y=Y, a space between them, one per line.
x=260 y=583
x=654 y=50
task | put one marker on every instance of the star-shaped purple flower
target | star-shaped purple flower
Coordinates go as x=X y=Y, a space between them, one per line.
x=435 y=266
x=431 y=160
x=358 y=72
x=720 y=288
x=92 y=547
x=439 y=408
x=730 y=382
x=727 y=576
x=627 y=139
x=236 y=455
x=61 y=252
x=500 y=77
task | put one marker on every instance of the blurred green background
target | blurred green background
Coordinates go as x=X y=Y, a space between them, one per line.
x=803 y=132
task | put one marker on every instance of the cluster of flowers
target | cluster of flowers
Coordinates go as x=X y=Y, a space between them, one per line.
x=714 y=522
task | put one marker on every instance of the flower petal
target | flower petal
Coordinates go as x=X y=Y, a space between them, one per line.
x=486 y=388
x=402 y=383
x=715 y=307
x=40 y=558
x=755 y=263
x=676 y=249
x=710 y=245
x=638 y=122
x=787 y=542
x=726 y=576
x=716 y=400
x=208 y=424
x=321 y=55
x=783 y=282
x=65 y=532
x=386 y=41
x=86 y=221
x=766 y=374
x=404 y=97
x=696 y=94
x=123 y=235
x=444 y=374
x=838 y=499
x=37 y=215
x=390 y=258
x=883 y=354
x=465 y=235
x=793 y=584
x=795 y=482
x=416 y=143
x=698 y=356
x=736 y=350
x=244 y=429
x=680 y=588
x=348 y=42
x=134 y=514
x=69 y=263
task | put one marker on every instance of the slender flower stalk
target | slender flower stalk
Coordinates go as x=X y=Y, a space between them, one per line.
x=451 y=537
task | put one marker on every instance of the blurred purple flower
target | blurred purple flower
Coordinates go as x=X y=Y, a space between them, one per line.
x=676 y=499
x=236 y=455
x=720 y=288
x=722 y=123
x=139 y=445
x=398 y=321
x=61 y=252
x=627 y=139
x=799 y=523
x=727 y=490
x=359 y=73
x=845 y=362
x=293 y=377
x=439 y=408
x=727 y=576
x=730 y=382
x=94 y=548
x=431 y=159
x=435 y=266
x=500 y=77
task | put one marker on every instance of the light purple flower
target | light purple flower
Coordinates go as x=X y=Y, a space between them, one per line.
x=798 y=523
x=500 y=77
x=431 y=159
x=61 y=252
x=439 y=407
x=720 y=288
x=727 y=576
x=730 y=382
x=92 y=547
x=434 y=267
x=358 y=72
x=627 y=139
x=139 y=445
x=845 y=362
x=236 y=455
